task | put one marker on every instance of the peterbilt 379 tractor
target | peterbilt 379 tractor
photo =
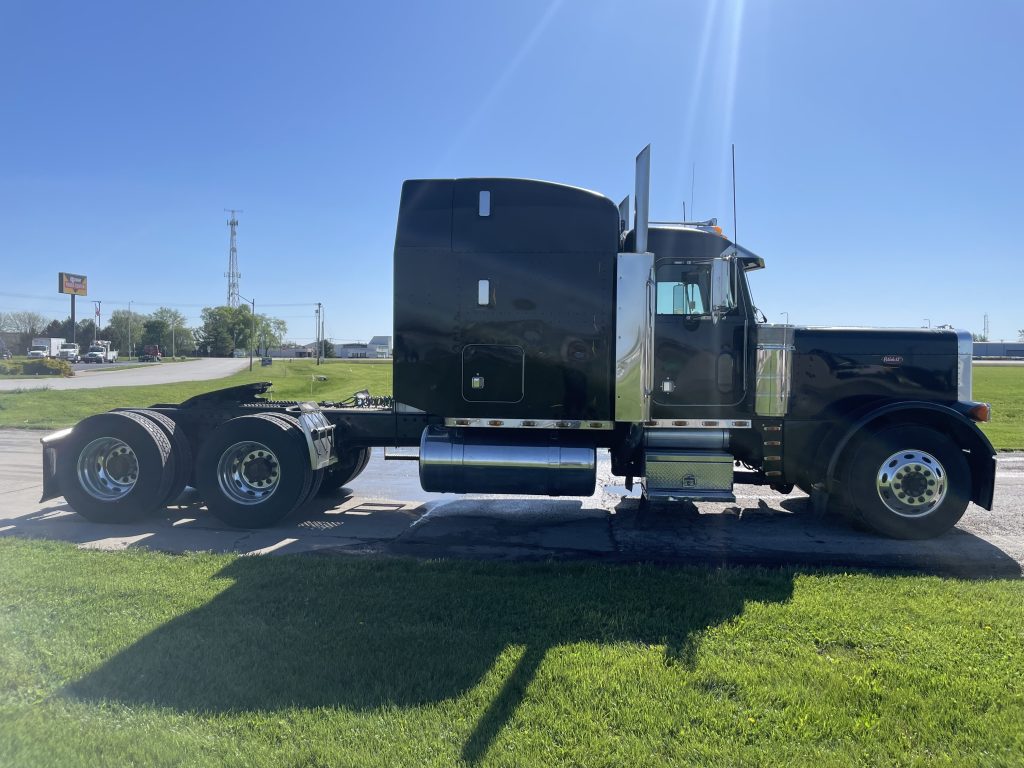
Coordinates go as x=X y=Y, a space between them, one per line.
x=535 y=324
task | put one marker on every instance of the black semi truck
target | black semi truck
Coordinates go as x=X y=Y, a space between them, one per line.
x=535 y=324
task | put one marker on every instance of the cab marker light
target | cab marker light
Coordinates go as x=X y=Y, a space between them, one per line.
x=980 y=412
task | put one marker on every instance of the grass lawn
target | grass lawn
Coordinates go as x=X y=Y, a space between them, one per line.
x=1003 y=386
x=293 y=380
x=142 y=658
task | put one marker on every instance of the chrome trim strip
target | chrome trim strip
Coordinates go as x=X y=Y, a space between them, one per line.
x=527 y=423
x=698 y=423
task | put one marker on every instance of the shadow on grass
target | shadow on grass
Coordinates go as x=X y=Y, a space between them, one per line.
x=301 y=632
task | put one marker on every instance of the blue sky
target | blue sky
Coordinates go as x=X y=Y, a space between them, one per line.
x=879 y=145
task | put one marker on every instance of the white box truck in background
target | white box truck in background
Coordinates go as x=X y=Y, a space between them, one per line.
x=43 y=348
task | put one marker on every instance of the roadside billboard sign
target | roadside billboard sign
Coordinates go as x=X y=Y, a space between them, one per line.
x=76 y=285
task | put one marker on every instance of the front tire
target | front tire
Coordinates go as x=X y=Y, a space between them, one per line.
x=908 y=482
x=252 y=472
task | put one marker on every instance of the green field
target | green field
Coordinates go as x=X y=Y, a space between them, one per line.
x=141 y=658
x=1001 y=386
x=293 y=380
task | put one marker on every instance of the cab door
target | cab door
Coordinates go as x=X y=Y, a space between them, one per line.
x=700 y=337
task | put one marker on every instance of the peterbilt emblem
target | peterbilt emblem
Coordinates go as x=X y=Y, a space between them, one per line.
x=892 y=359
x=689 y=481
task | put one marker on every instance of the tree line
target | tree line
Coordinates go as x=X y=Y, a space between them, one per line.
x=223 y=330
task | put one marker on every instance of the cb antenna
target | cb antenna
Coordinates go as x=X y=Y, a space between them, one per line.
x=735 y=238
x=693 y=175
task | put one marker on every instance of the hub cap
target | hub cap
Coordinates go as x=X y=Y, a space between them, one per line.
x=248 y=473
x=107 y=468
x=911 y=483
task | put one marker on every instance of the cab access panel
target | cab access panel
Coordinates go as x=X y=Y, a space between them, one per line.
x=504 y=299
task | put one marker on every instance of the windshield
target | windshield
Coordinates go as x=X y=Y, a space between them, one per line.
x=750 y=296
x=95 y=349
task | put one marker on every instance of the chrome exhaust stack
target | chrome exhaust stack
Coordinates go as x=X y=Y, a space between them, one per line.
x=634 y=309
x=641 y=216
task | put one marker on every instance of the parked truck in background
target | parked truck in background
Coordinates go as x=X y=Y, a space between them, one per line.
x=100 y=352
x=44 y=348
x=151 y=354
x=535 y=325
x=69 y=351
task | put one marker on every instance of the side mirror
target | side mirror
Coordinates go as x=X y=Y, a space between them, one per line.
x=723 y=297
x=679 y=299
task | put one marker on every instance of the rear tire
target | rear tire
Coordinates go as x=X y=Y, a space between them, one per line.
x=180 y=449
x=116 y=467
x=254 y=471
x=348 y=467
x=318 y=474
x=908 y=482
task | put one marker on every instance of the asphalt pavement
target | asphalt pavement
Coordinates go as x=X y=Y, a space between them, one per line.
x=95 y=376
x=384 y=512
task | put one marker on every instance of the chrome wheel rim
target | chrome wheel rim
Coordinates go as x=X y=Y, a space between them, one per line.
x=248 y=473
x=911 y=483
x=107 y=469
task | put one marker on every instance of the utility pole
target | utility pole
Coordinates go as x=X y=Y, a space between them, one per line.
x=323 y=338
x=319 y=305
x=129 y=330
x=986 y=327
x=233 y=275
x=97 y=322
x=252 y=328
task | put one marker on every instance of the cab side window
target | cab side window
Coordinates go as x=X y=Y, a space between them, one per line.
x=684 y=289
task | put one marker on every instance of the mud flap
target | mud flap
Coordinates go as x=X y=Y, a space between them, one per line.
x=51 y=444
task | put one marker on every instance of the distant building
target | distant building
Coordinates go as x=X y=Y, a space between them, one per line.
x=377 y=348
x=382 y=344
x=999 y=349
x=291 y=351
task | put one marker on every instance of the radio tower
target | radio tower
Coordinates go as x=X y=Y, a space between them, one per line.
x=233 y=274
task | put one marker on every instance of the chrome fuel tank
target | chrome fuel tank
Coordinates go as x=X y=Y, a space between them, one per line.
x=462 y=461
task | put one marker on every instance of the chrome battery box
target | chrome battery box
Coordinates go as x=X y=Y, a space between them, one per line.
x=688 y=475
